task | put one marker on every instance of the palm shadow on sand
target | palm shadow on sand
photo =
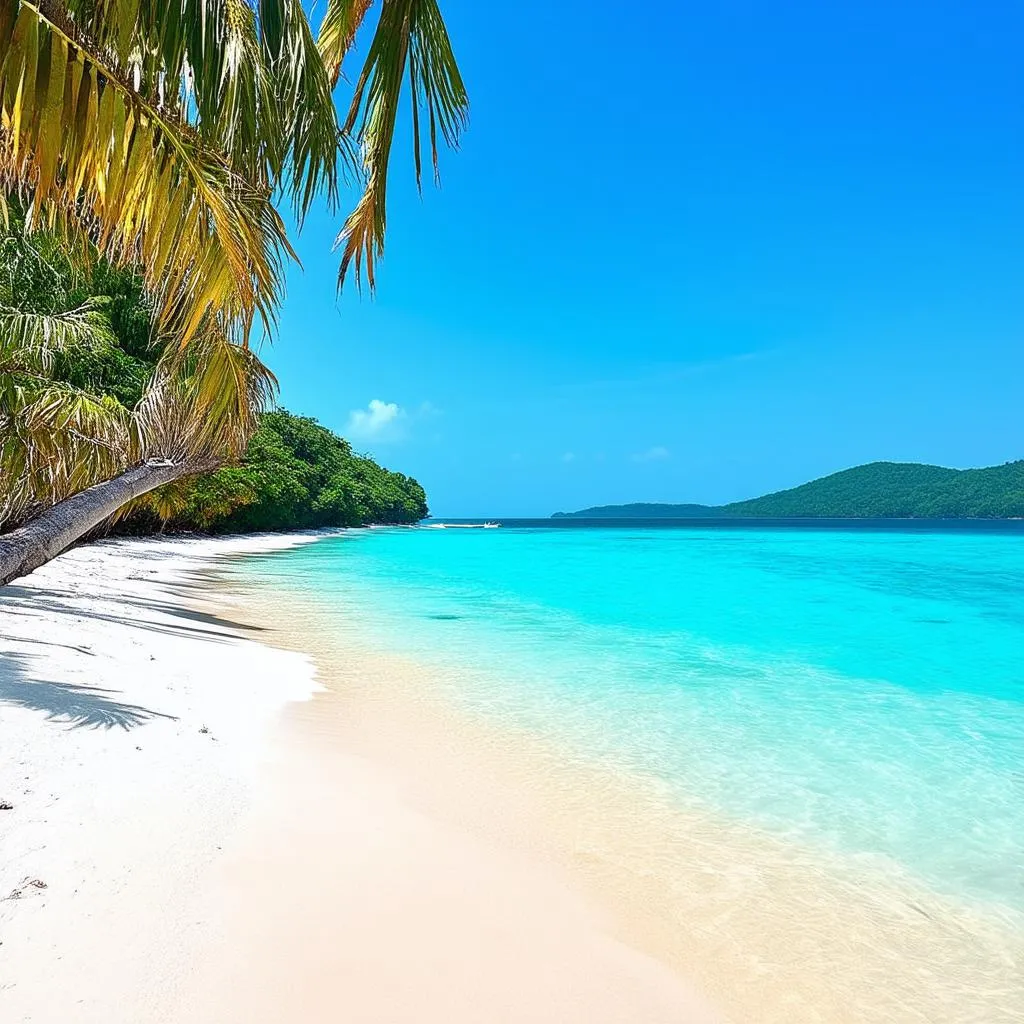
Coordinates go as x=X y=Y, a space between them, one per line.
x=79 y=707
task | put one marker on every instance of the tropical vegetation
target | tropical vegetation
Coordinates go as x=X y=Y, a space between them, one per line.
x=162 y=139
x=295 y=474
x=96 y=351
x=882 y=490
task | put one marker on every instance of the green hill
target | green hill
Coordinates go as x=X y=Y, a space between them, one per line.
x=883 y=490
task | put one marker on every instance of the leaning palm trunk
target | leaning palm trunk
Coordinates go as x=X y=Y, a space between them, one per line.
x=46 y=536
x=201 y=407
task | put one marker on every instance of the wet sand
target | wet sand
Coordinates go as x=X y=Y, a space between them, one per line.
x=346 y=897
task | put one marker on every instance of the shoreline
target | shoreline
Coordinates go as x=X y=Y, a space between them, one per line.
x=243 y=812
x=188 y=841
x=769 y=931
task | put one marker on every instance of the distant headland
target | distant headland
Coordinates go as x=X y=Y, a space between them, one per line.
x=879 y=490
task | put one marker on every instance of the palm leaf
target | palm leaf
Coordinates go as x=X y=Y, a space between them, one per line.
x=249 y=72
x=310 y=142
x=342 y=21
x=56 y=440
x=144 y=183
x=410 y=44
x=204 y=401
x=29 y=339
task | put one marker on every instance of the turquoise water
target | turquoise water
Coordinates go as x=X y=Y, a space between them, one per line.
x=858 y=692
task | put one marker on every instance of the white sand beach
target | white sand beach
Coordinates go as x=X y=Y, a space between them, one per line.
x=176 y=847
x=131 y=729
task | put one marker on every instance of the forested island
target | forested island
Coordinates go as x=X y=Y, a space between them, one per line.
x=879 y=490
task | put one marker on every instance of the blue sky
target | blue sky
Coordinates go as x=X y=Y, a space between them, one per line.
x=689 y=252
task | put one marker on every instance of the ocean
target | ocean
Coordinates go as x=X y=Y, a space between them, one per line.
x=854 y=693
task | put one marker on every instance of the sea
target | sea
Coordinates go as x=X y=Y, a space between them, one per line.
x=850 y=690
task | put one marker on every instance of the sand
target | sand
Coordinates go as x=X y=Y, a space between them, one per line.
x=190 y=837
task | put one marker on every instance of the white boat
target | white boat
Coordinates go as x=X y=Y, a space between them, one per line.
x=461 y=526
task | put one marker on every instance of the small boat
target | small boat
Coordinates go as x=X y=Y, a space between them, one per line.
x=461 y=526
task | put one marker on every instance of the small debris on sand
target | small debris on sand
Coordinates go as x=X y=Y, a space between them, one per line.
x=29 y=883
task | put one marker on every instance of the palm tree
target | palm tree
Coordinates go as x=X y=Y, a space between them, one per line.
x=163 y=135
x=199 y=405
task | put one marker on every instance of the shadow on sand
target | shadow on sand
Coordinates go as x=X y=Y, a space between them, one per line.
x=80 y=706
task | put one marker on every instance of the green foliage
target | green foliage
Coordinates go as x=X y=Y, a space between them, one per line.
x=297 y=474
x=66 y=385
x=899 y=490
x=879 y=490
x=110 y=371
x=40 y=275
x=88 y=329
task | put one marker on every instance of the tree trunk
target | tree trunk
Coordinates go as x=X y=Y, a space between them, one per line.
x=46 y=536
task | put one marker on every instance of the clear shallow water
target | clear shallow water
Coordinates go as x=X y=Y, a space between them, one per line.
x=856 y=691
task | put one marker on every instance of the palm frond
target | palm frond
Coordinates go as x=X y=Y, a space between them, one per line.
x=410 y=43
x=204 y=401
x=56 y=440
x=338 y=30
x=312 y=149
x=82 y=144
x=250 y=72
x=30 y=339
x=165 y=502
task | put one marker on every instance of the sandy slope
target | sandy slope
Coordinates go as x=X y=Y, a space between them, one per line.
x=174 y=853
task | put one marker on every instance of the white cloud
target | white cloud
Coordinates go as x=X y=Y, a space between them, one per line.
x=379 y=421
x=656 y=454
